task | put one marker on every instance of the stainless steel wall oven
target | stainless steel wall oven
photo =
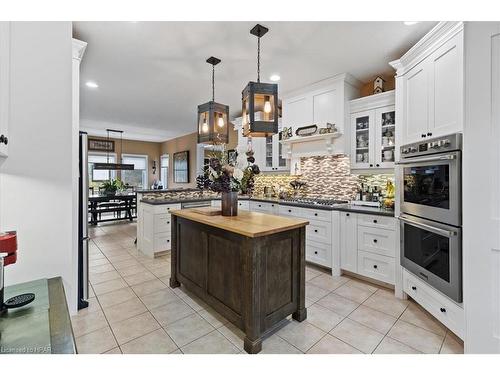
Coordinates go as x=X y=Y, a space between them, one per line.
x=430 y=181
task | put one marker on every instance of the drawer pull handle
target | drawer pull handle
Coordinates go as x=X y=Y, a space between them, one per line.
x=289 y=210
x=316 y=252
x=272 y=205
x=168 y=240
x=315 y=231
x=413 y=288
x=315 y=214
x=443 y=310
x=346 y=214
x=260 y=205
x=375 y=221
x=375 y=266
x=375 y=240
x=168 y=222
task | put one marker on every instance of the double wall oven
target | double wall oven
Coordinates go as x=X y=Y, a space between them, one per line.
x=430 y=183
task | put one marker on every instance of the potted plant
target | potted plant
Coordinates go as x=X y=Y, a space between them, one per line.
x=110 y=187
x=229 y=178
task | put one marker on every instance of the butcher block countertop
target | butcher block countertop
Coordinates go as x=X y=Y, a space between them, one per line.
x=249 y=224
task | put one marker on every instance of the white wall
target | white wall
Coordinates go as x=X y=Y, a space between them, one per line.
x=36 y=179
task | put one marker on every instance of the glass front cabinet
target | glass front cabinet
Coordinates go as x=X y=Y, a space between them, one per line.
x=274 y=155
x=373 y=131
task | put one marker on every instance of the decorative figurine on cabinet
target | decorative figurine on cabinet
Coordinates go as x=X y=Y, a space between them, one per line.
x=378 y=85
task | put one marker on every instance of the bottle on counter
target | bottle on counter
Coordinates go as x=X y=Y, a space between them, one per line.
x=375 y=194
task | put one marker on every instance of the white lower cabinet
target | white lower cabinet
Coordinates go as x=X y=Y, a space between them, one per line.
x=319 y=253
x=376 y=266
x=444 y=309
x=155 y=232
x=265 y=207
x=243 y=205
x=348 y=241
x=368 y=245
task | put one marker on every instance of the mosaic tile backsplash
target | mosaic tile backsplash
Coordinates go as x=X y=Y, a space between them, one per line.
x=326 y=177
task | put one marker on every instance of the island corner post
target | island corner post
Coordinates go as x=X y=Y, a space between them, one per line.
x=254 y=278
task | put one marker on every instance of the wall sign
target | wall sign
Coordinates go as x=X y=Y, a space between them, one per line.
x=101 y=145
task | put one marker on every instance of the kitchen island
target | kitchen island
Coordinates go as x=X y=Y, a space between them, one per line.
x=250 y=268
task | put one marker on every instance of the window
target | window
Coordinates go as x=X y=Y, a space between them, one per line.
x=97 y=177
x=164 y=170
x=138 y=177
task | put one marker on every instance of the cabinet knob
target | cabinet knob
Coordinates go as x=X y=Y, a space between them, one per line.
x=375 y=266
x=289 y=210
x=423 y=135
x=168 y=222
x=429 y=134
x=272 y=205
x=413 y=288
x=377 y=165
x=346 y=214
x=375 y=221
x=371 y=165
x=442 y=309
x=315 y=214
x=168 y=240
x=375 y=240
x=316 y=252
x=4 y=139
x=315 y=231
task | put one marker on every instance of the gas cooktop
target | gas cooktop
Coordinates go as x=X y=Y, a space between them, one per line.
x=315 y=201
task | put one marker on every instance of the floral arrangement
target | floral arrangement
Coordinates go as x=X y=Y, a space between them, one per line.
x=223 y=175
x=111 y=186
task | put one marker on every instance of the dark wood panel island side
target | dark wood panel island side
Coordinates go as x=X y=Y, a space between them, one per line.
x=250 y=268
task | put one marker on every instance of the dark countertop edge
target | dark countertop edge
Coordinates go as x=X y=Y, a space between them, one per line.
x=144 y=191
x=62 y=339
x=344 y=207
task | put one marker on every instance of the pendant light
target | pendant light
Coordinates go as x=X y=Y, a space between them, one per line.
x=213 y=126
x=114 y=166
x=259 y=100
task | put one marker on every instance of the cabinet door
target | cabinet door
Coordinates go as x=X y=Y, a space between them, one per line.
x=447 y=92
x=297 y=112
x=4 y=86
x=268 y=154
x=385 y=136
x=324 y=108
x=259 y=149
x=280 y=161
x=348 y=241
x=362 y=154
x=416 y=103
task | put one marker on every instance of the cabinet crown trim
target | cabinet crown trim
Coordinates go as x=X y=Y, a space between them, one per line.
x=365 y=103
x=425 y=46
x=325 y=83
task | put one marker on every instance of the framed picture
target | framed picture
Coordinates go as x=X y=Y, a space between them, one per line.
x=181 y=167
x=101 y=145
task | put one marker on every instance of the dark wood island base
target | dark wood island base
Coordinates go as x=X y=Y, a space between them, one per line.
x=249 y=268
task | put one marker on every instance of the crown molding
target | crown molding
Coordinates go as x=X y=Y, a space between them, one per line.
x=438 y=35
x=79 y=48
x=373 y=101
x=319 y=85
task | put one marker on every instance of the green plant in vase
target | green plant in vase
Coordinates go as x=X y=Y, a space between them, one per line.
x=110 y=187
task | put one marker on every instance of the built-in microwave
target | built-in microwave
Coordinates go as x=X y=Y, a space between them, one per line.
x=430 y=179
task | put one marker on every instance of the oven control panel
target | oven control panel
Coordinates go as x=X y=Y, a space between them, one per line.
x=447 y=143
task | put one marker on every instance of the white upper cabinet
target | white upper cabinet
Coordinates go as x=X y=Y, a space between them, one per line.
x=429 y=82
x=4 y=87
x=326 y=107
x=373 y=131
x=297 y=111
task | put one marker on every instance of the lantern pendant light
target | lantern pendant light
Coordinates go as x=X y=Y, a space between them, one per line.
x=259 y=100
x=213 y=124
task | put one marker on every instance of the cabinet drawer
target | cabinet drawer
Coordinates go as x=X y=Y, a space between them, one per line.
x=319 y=253
x=162 y=223
x=384 y=222
x=376 y=240
x=319 y=231
x=376 y=266
x=265 y=207
x=290 y=211
x=162 y=242
x=440 y=306
x=323 y=215
x=244 y=205
x=165 y=209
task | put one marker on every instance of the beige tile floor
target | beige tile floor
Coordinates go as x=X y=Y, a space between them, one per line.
x=133 y=310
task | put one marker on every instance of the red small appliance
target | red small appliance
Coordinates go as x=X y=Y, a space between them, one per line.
x=8 y=256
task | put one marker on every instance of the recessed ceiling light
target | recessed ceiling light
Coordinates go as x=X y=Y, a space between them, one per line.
x=409 y=23
x=275 y=77
x=92 y=84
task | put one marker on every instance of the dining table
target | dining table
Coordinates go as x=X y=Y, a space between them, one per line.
x=128 y=200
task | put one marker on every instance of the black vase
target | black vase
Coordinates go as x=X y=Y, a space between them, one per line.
x=229 y=203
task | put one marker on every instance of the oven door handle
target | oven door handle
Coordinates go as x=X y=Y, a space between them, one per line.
x=424 y=159
x=430 y=228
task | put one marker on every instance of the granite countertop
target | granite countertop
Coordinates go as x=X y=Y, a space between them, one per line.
x=166 y=190
x=342 y=207
x=43 y=326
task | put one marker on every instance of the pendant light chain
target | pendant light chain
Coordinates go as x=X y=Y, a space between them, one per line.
x=258 y=59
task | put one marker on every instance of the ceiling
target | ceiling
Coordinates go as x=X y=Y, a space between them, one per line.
x=152 y=75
